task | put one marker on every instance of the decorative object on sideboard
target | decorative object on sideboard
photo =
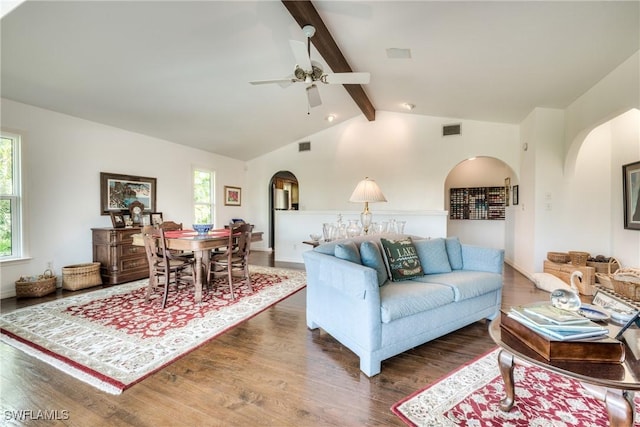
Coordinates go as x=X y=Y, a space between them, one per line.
x=136 y=208
x=117 y=220
x=367 y=191
x=118 y=191
x=631 y=195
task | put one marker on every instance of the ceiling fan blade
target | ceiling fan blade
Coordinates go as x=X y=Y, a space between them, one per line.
x=300 y=54
x=346 y=78
x=313 y=95
x=282 y=82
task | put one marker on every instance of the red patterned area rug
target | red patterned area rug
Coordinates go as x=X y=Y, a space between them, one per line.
x=111 y=338
x=470 y=396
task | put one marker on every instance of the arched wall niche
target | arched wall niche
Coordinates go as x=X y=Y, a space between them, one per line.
x=480 y=171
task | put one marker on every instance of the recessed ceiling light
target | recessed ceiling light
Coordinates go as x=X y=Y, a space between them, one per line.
x=330 y=118
x=408 y=106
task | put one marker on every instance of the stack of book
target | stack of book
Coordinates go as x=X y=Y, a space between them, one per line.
x=560 y=335
x=557 y=324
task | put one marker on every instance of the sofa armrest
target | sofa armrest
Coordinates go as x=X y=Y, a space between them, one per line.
x=479 y=258
x=349 y=279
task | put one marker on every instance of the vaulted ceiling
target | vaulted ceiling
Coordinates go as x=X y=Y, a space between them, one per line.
x=180 y=70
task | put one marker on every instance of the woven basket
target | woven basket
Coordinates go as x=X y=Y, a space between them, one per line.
x=605 y=267
x=558 y=257
x=626 y=282
x=43 y=285
x=579 y=258
x=80 y=276
x=604 y=271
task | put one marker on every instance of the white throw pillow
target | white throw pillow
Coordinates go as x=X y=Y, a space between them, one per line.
x=548 y=282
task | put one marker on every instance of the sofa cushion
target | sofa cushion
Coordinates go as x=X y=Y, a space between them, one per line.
x=433 y=255
x=465 y=284
x=410 y=297
x=482 y=259
x=348 y=251
x=454 y=252
x=371 y=257
x=401 y=258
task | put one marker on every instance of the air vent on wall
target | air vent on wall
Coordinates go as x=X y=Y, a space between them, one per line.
x=451 y=130
x=304 y=146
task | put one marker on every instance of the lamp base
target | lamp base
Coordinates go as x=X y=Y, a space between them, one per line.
x=365 y=219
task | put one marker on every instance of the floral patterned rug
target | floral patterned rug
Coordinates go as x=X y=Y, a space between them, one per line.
x=112 y=338
x=471 y=396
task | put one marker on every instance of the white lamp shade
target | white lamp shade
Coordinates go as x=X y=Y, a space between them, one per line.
x=367 y=191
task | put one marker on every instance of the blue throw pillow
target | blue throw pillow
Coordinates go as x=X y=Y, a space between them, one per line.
x=454 y=251
x=433 y=256
x=401 y=258
x=371 y=257
x=347 y=251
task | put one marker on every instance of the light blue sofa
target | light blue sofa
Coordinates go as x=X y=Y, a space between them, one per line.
x=377 y=318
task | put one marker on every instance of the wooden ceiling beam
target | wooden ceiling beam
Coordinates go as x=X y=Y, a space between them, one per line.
x=306 y=14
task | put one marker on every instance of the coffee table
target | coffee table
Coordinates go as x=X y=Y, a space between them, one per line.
x=613 y=383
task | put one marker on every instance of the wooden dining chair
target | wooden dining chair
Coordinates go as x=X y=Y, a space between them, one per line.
x=165 y=268
x=234 y=262
x=171 y=225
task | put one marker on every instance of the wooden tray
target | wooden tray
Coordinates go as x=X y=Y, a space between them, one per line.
x=606 y=349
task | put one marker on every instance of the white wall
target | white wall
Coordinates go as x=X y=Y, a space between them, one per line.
x=405 y=153
x=63 y=158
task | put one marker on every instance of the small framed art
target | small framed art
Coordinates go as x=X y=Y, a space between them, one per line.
x=232 y=196
x=156 y=218
x=631 y=195
x=117 y=220
x=516 y=195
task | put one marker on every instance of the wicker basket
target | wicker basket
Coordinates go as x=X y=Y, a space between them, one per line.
x=579 y=258
x=80 y=276
x=558 y=257
x=42 y=285
x=604 y=271
x=605 y=267
x=626 y=282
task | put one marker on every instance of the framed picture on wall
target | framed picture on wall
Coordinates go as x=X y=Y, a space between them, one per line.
x=631 y=195
x=516 y=195
x=232 y=196
x=118 y=191
x=507 y=190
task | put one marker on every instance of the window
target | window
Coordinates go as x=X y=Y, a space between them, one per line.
x=203 y=196
x=10 y=197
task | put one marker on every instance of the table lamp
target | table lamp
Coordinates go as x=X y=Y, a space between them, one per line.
x=367 y=191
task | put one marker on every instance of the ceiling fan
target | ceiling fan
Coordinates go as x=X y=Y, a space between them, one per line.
x=310 y=72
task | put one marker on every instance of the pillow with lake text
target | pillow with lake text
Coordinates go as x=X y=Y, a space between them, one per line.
x=401 y=258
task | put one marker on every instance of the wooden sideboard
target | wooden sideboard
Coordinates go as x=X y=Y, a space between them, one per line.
x=120 y=260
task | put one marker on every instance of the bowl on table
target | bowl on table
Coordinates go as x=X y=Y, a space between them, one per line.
x=315 y=237
x=202 y=228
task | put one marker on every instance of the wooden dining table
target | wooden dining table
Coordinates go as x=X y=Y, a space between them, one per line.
x=201 y=245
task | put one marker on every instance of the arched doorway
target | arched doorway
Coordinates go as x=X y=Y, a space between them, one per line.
x=283 y=195
x=481 y=173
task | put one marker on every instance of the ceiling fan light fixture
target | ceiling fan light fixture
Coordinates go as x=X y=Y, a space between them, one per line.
x=309 y=31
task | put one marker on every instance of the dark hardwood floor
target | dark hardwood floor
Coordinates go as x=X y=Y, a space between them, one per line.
x=268 y=371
